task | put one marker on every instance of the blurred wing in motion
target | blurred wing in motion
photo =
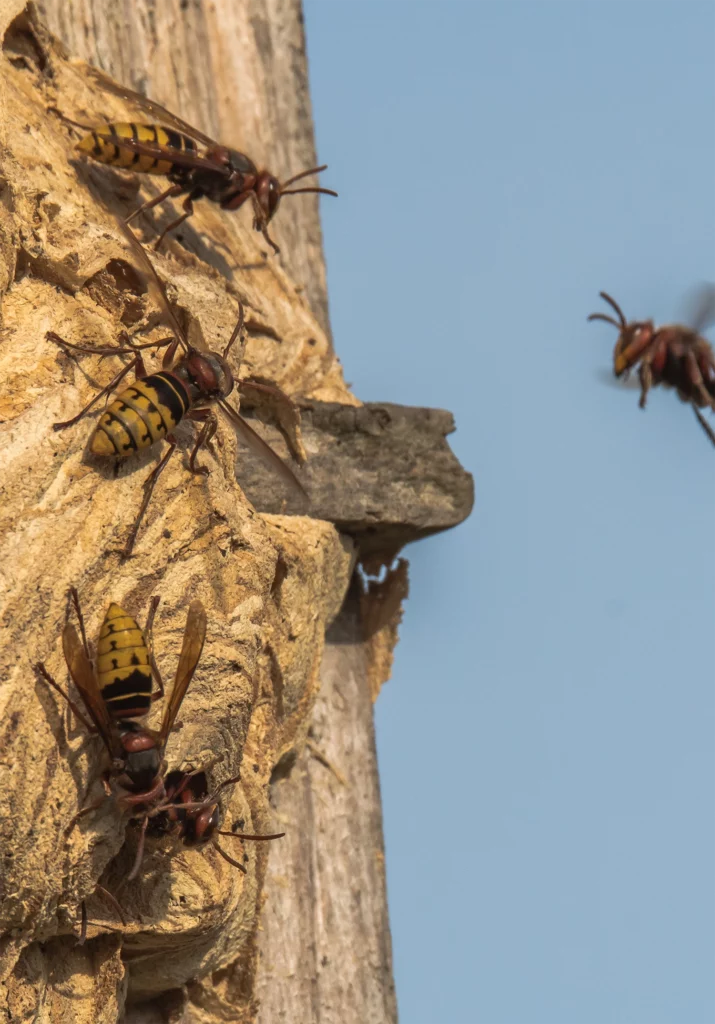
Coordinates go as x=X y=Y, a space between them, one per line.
x=700 y=307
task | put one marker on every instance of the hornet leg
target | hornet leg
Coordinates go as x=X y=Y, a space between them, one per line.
x=225 y=856
x=645 y=375
x=149 y=485
x=111 y=900
x=188 y=210
x=169 y=193
x=140 y=851
x=704 y=423
x=207 y=432
x=105 y=391
x=90 y=807
x=40 y=668
x=695 y=379
x=259 y=223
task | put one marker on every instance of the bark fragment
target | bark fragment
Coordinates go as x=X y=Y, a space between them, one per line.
x=383 y=473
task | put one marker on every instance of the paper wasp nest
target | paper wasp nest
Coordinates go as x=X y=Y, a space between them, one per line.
x=270 y=583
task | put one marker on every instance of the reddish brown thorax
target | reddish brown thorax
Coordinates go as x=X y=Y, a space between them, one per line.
x=674 y=355
x=207 y=375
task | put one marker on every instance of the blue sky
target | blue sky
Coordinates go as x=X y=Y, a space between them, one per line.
x=546 y=743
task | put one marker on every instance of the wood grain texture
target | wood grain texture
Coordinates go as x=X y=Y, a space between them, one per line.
x=237 y=71
x=383 y=473
x=326 y=947
x=270 y=583
x=293 y=712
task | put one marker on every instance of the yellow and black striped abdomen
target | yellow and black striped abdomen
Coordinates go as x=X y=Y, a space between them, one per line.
x=142 y=414
x=123 y=670
x=96 y=145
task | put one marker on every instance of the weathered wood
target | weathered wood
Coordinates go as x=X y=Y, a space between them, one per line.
x=383 y=473
x=65 y=266
x=238 y=72
x=272 y=583
x=326 y=945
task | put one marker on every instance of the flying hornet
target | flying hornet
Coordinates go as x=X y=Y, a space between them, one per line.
x=674 y=355
x=192 y=815
x=148 y=410
x=117 y=691
x=217 y=173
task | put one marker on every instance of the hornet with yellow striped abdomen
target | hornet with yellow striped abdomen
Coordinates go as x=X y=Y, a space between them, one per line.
x=148 y=410
x=117 y=690
x=220 y=174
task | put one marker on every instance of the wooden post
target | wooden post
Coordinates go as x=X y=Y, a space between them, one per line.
x=236 y=70
x=297 y=647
